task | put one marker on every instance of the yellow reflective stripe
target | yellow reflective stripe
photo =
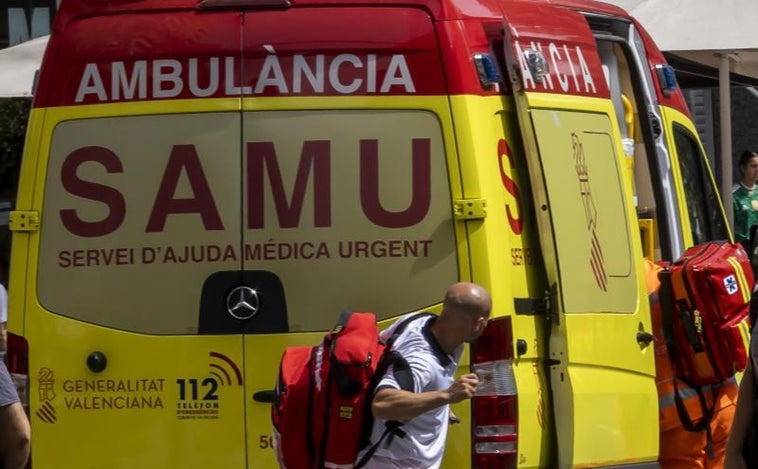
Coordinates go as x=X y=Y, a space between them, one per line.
x=740 y=276
x=741 y=280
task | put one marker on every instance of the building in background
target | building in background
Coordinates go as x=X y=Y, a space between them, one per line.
x=703 y=102
x=22 y=20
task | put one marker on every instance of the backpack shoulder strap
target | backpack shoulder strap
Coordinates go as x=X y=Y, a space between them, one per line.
x=391 y=429
x=403 y=325
x=391 y=358
x=665 y=295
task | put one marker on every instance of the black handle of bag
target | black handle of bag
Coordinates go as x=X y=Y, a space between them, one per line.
x=688 y=322
x=266 y=396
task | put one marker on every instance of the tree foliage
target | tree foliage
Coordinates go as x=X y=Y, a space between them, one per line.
x=14 y=113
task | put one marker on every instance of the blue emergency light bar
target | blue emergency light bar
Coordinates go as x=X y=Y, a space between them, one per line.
x=666 y=79
x=486 y=68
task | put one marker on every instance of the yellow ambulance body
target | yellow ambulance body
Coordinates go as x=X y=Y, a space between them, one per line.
x=206 y=182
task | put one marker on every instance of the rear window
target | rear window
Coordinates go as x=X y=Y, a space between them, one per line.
x=349 y=209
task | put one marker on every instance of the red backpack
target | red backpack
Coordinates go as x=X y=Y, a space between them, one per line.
x=705 y=304
x=707 y=320
x=322 y=402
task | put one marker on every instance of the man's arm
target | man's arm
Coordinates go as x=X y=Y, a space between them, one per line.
x=396 y=404
x=15 y=436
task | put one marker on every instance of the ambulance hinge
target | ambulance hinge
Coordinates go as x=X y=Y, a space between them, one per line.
x=532 y=306
x=544 y=306
x=470 y=209
x=24 y=220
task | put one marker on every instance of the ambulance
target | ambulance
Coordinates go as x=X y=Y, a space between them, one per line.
x=206 y=182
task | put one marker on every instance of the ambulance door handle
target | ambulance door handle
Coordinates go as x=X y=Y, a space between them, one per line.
x=644 y=338
x=264 y=396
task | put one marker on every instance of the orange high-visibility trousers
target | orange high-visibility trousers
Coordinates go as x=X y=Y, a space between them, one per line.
x=680 y=449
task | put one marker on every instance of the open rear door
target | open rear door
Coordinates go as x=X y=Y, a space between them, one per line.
x=602 y=368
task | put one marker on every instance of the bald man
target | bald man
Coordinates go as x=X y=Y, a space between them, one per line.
x=418 y=389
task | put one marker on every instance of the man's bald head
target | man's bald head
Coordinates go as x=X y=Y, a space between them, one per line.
x=465 y=312
x=467 y=298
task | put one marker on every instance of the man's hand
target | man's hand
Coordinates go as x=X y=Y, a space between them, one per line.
x=463 y=388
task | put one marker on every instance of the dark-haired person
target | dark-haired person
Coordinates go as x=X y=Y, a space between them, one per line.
x=745 y=198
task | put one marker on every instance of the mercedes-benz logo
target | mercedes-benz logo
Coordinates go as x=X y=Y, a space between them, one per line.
x=242 y=302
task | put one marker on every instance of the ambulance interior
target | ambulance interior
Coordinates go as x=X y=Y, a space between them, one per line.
x=626 y=103
x=649 y=162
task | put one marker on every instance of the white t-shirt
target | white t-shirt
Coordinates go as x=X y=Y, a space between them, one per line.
x=432 y=369
x=3 y=304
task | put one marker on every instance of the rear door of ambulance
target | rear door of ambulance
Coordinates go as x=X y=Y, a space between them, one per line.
x=602 y=376
x=133 y=171
x=345 y=180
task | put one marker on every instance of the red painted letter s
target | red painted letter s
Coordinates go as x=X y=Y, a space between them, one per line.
x=92 y=191
x=510 y=185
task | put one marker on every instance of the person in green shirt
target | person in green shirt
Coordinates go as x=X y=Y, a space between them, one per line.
x=745 y=198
